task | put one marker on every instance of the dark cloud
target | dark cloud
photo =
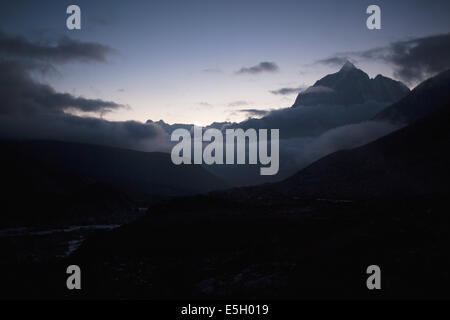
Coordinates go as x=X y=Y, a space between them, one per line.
x=32 y=110
x=413 y=60
x=63 y=51
x=65 y=100
x=287 y=91
x=254 y=112
x=67 y=127
x=259 y=68
x=19 y=93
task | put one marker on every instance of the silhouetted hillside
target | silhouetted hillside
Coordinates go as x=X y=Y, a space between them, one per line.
x=412 y=161
x=147 y=173
x=46 y=179
x=424 y=99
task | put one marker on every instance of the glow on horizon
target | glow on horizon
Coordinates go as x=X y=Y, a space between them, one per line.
x=217 y=105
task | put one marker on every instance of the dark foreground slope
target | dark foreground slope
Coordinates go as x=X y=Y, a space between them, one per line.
x=424 y=99
x=44 y=179
x=214 y=247
x=151 y=173
x=412 y=161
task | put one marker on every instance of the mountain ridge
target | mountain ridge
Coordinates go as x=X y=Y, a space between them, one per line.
x=135 y=171
x=351 y=85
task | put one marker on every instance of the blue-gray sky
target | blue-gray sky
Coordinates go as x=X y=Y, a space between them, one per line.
x=200 y=61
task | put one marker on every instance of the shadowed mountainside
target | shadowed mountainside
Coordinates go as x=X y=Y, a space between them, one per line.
x=147 y=173
x=412 y=161
x=424 y=99
x=53 y=176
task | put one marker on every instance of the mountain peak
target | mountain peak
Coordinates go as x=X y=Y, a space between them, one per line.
x=348 y=66
x=351 y=85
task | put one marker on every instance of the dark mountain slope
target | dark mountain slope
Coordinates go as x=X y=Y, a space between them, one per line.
x=36 y=193
x=46 y=182
x=423 y=100
x=147 y=173
x=412 y=161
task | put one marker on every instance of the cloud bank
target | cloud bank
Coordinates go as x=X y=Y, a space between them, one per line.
x=19 y=93
x=32 y=110
x=63 y=51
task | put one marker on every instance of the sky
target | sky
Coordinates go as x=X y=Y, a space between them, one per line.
x=201 y=61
